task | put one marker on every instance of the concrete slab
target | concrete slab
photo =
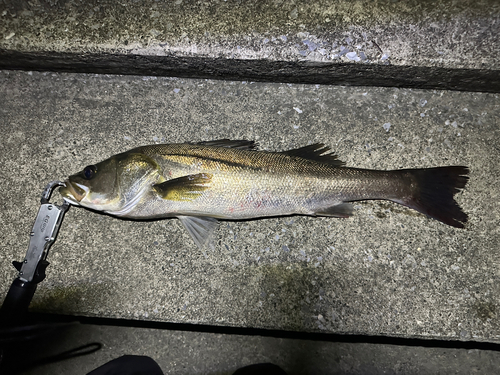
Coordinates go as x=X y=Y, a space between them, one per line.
x=179 y=352
x=385 y=271
x=421 y=44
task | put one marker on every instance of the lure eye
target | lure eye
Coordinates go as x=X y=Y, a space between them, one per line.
x=89 y=172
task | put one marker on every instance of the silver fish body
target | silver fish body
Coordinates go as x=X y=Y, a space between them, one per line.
x=200 y=183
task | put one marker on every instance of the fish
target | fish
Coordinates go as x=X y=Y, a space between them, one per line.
x=202 y=183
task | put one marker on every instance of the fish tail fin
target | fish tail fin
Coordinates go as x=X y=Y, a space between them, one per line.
x=433 y=190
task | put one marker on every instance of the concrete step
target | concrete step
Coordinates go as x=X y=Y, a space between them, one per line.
x=416 y=44
x=188 y=352
x=385 y=271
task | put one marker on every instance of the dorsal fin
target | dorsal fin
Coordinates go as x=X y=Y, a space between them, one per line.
x=241 y=144
x=316 y=152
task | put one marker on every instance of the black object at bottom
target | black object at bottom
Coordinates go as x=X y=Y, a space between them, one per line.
x=129 y=365
x=142 y=365
x=260 y=369
x=16 y=302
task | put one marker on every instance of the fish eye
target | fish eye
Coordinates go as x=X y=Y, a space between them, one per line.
x=89 y=172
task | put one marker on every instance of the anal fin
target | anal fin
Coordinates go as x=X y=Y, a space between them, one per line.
x=200 y=228
x=342 y=210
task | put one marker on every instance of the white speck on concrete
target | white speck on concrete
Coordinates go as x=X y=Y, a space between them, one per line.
x=127 y=138
x=353 y=56
x=387 y=126
x=422 y=115
x=298 y=109
x=10 y=36
x=176 y=90
x=384 y=57
x=265 y=41
x=310 y=45
x=423 y=102
x=284 y=38
x=466 y=110
x=455 y=267
x=296 y=126
x=454 y=124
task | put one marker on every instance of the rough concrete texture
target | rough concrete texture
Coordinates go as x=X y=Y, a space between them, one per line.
x=385 y=271
x=423 y=44
x=180 y=352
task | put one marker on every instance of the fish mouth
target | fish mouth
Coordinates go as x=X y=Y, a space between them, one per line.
x=73 y=192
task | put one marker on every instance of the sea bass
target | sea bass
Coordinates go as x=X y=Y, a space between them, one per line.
x=200 y=183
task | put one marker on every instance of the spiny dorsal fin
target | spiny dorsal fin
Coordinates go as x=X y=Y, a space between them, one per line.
x=316 y=152
x=241 y=144
x=185 y=188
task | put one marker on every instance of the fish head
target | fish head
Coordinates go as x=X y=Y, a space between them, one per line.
x=114 y=185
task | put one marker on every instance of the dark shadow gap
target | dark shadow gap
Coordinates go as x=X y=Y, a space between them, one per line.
x=311 y=336
x=349 y=74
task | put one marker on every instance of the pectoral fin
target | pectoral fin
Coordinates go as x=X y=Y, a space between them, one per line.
x=184 y=188
x=200 y=228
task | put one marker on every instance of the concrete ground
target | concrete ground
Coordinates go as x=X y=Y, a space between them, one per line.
x=385 y=271
x=190 y=352
x=385 y=275
x=429 y=44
